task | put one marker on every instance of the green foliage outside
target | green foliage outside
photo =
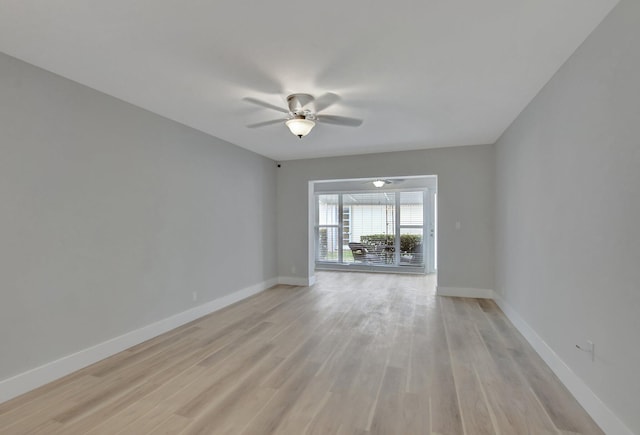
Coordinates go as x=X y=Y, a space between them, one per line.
x=408 y=242
x=323 y=243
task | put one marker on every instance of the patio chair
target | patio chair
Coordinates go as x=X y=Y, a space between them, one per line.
x=418 y=254
x=413 y=258
x=362 y=254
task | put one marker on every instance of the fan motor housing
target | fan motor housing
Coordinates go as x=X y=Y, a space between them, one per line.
x=298 y=102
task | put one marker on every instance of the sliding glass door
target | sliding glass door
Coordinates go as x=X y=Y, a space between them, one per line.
x=371 y=229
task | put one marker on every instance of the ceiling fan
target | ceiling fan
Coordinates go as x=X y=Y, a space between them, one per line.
x=380 y=182
x=303 y=113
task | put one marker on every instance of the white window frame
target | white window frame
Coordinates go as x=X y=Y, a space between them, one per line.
x=396 y=266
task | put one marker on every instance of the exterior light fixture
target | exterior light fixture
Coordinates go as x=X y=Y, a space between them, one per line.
x=300 y=126
x=379 y=183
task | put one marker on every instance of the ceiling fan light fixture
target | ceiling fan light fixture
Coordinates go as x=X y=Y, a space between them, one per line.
x=300 y=126
x=379 y=183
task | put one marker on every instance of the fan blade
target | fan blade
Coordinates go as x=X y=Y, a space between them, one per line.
x=262 y=124
x=340 y=120
x=326 y=100
x=265 y=104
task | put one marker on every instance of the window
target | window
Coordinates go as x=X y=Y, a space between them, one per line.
x=328 y=228
x=377 y=229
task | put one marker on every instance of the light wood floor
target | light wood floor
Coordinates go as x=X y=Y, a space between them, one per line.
x=355 y=354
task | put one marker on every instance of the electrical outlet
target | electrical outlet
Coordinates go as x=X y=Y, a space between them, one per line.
x=195 y=296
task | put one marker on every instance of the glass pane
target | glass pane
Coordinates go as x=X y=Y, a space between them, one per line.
x=368 y=237
x=346 y=224
x=411 y=247
x=411 y=208
x=328 y=209
x=328 y=243
x=372 y=217
x=368 y=224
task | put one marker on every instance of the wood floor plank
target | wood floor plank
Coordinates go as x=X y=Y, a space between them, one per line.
x=355 y=354
x=151 y=409
x=326 y=421
x=388 y=416
x=230 y=411
x=270 y=417
x=47 y=405
x=415 y=418
x=305 y=409
x=445 y=408
x=475 y=409
x=363 y=394
x=565 y=412
x=193 y=407
x=514 y=405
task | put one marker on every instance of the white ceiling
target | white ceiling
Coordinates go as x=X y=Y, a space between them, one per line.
x=421 y=73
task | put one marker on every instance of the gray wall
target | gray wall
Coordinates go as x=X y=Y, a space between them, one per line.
x=112 y=216
x=568 y=212
x=465 y=195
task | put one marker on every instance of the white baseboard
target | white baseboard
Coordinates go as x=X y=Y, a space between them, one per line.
x=298 y=281
x=601 y=414
x=31 y=379
x=461 y=292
